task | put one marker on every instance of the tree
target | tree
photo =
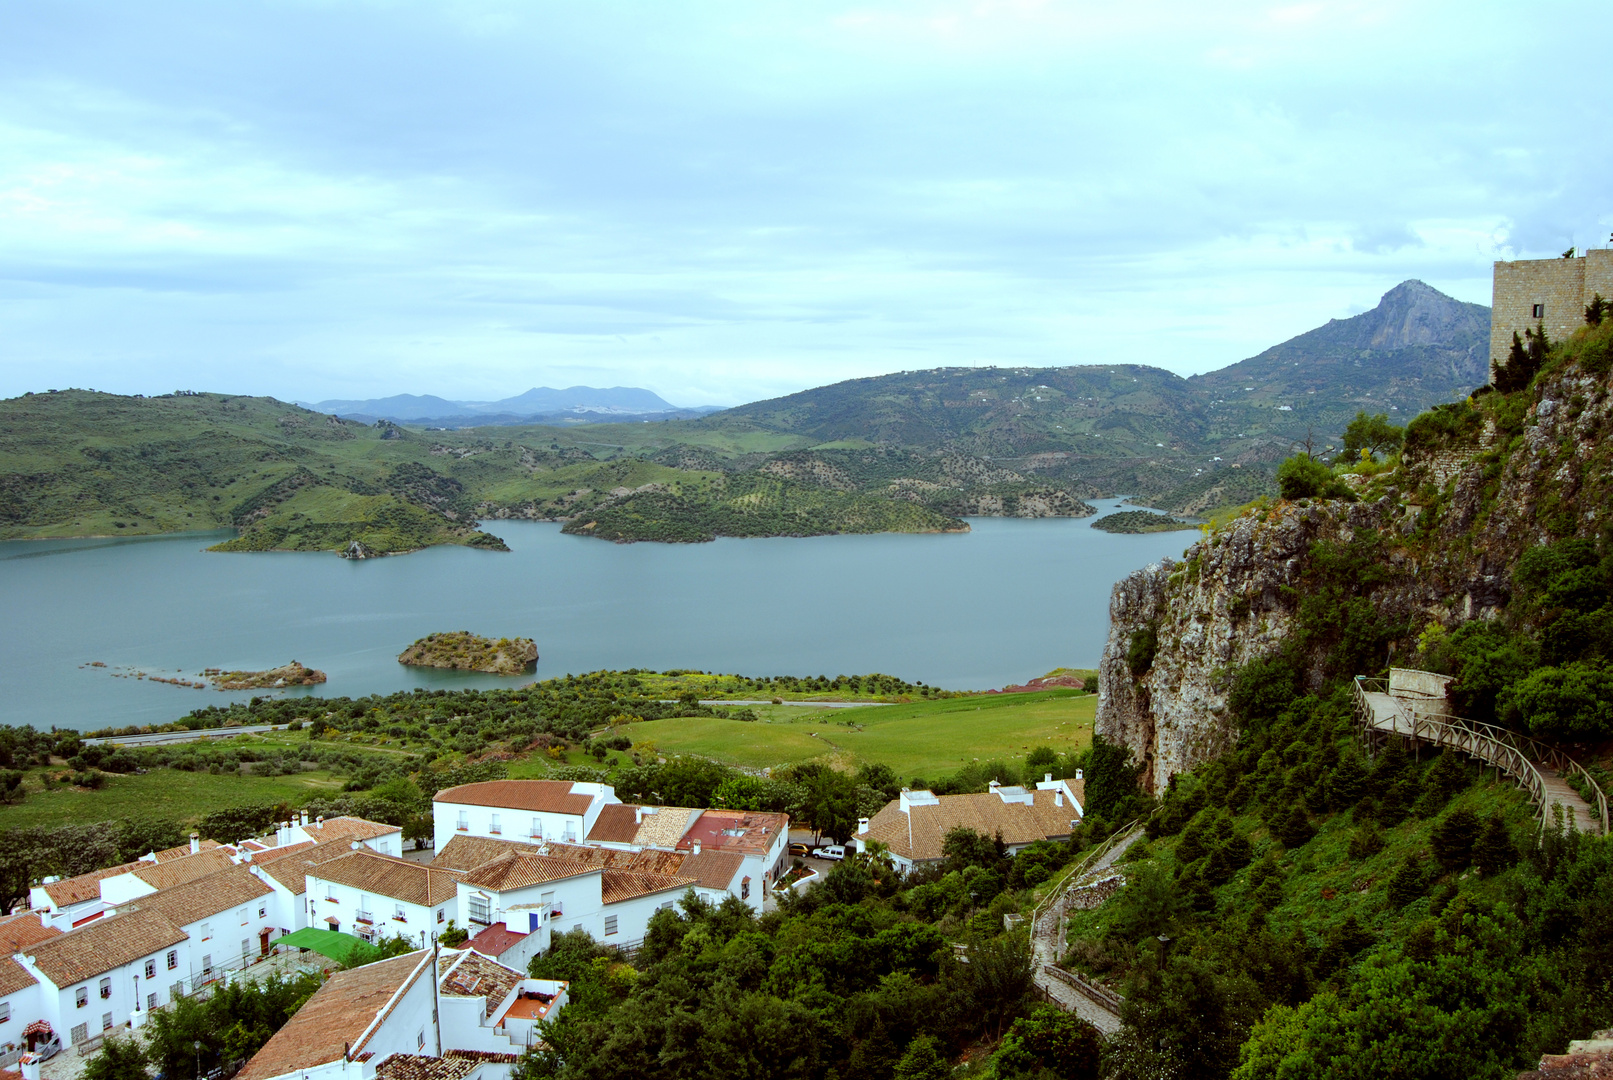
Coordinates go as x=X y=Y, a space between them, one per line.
x=1112 y=776
x=1372 y=435
x=1304 y=477
x=830 y=803
x=10 y=786
x=454 y=936
x=1597 y=310
x=1407 y=884
x=419 y=830
x=923 y=1061
x=1051 y=1039
x=964 y=847
x=119 y=1059
x=1572 y=702
x=1453 y=839
x=1494 y=851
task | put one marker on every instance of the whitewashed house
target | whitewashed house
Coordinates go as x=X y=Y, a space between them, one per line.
x=19 y=990
x=388 y=1021
x=375 y=896
x=528 y=810
x=913 y=826
x=69 y=902
x=225 y=917
x=91 y=978
x=543 y=894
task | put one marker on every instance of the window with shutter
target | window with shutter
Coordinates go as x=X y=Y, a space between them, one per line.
x=610 y=925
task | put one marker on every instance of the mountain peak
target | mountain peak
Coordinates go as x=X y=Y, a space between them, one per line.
x=1415 y=313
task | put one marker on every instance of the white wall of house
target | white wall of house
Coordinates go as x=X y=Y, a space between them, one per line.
x=123 y=988
x=19 y=1009
x=286 y=909
x=562 y=904
x=122 y=888
x=368 y=914
x=450 y=819
x=627 y=921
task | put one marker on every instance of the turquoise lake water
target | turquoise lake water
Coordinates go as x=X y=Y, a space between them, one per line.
x=1006 y=602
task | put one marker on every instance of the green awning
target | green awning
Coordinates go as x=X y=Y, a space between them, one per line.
x=331 y=943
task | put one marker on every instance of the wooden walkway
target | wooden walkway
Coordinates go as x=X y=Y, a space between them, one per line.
x=1403 y=705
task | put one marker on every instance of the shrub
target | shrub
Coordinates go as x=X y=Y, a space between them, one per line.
x=1453 y=839
x=1572 y=702
x=1407 y=884
x=1303 y=477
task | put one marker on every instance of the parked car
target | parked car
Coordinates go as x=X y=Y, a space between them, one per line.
x=799 y=851
x=835 y=852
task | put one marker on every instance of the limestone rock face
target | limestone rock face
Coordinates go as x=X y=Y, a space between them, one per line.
x=1233 y=596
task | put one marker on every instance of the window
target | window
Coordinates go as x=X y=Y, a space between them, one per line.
x=151 y=1002
x=397 y=913
x=106 y=1021
x=664 y=907
x=576 y=926
x=207 y=964
x=547 y=902
x=420 y=1040
x=173 y=959
x=1539 y=312
x=79 y=1033
x=81 y=997
x=537 y=828
x=464 y=821
x=5 y=1011
x=246 y=948
x=610 y=925
x=494 y=826
x=478 y=910
x=330 y=893
x=439 y=915
x=151 y=968
x=744 y=889
x=571 y=832
x=106 y=988
x=262 y=910
x=207 y=931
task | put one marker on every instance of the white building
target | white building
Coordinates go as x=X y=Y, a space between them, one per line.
x=224 y=916
x=913 y=826
x=91 y=978
x=375 y=835
x=529 y=810
x=375 y=896
x=19 y=990
x=71 y=901
x=466 y=1017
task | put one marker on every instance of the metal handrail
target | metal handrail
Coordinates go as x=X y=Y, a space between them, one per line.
x=1074 y=874
x=1506 y=750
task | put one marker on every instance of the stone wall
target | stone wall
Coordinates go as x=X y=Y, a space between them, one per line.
x=1562 y=286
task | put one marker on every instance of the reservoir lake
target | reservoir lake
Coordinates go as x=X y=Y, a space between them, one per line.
x=1004 y=603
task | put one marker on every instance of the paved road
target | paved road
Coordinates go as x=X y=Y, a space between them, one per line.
x=1047 y=943
x=180 y=736
x=802 y=704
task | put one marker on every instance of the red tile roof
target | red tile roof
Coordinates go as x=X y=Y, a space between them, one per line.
x=746 y=831
x=421 y=1067
x=541 y=796
x=102 y=945
x=713 y=869
x=335 y=1018
x=465 y=852
x=468 y=973
x=390 y=876
x=349 y=828
x=496 y=940
x=291 y=872
x=76 y=890
x=203 y=898
x=21 y=930
x=617 y=824
x=616 y=886
x=14 y=977
x=184 y=868
x=514 y=870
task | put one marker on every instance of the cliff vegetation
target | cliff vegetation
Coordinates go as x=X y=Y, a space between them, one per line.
x=461 y=650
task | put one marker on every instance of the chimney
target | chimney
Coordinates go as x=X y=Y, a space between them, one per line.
x=862 y=825
x=697 y=847
x=195 y=843
x=305 y=819
x=319 y=822
x=638 y=815
x=1078 y=774
x=1058 y=796
x=993 y=786
x=1047 y=778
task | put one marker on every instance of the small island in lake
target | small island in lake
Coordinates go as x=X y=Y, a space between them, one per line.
x=292 y=674
x=463 y=651
x=1140 y=521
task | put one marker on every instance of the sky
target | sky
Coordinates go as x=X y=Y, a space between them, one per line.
x=724 y=202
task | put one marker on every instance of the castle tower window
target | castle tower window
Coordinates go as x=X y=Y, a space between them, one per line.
x=1539 y=312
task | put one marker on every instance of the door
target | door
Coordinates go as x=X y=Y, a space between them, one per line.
x=263 y=941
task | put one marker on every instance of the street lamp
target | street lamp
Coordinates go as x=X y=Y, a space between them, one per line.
x=198 y=1047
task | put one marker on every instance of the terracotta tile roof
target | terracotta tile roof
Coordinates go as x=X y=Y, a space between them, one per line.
x=485 y=1055
x=618 y=885
x=514 y=870
x=21 y=930
x=713 y=869
x=390 y=876
x=336 y=1016
x=468 y=973
x=182 y=850
x=418 y=1067
x=496 y=940
x=616 y=824
x=187 y=867
x=270 y=855
x=76 y=890
x=542 y=796
x=649 y=861
x=349 y=828
x=468 y=852
x=918 y=834
x=748 y=831
x=100 y=946
x=204 y=897
x=14 y=977
x=290 y=872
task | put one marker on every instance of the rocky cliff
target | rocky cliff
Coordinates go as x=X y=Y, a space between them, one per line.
x=1479 y=483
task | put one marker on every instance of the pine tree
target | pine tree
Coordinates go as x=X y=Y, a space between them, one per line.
x=1407 y=884
x=1494 y=851
x=1453 y=839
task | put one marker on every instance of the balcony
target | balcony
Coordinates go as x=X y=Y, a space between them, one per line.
x=364 y=917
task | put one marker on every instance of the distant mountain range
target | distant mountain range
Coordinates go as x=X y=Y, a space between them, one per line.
x=573 y=404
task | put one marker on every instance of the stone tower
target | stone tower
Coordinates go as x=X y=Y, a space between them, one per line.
x=1547 y=292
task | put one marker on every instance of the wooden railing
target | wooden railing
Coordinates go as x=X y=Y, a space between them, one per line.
x=1508 y=751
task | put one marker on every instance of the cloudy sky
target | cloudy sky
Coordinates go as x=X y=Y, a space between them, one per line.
x=727 y=201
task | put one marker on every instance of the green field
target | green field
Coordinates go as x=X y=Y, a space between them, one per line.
x=926 y=739
x=163 y=793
